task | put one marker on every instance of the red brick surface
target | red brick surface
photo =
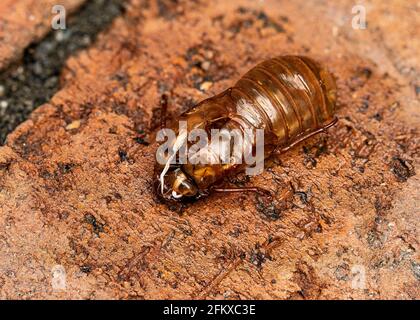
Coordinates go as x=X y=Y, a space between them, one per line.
x=25 y=21
x=347 y=229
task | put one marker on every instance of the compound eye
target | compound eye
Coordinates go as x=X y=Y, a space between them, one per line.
x=182 y=187
x=187 y=189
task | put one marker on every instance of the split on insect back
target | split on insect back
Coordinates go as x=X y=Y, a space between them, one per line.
x=274 y=106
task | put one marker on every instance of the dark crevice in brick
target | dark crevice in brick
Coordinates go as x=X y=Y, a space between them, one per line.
x=35 y=79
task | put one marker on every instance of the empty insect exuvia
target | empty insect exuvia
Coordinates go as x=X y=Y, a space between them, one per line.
x=284 y=100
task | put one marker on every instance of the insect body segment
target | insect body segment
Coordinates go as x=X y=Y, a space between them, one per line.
x=289 y=97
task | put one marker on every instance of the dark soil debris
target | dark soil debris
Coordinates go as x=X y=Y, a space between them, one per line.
x=402 y=169
x=85 y=269
x=98 y=227
x=268 y=209
x=258 y=257
x=416 y=269
x=35 y=81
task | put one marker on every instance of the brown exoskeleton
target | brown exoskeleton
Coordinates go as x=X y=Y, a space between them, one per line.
x=290 y=97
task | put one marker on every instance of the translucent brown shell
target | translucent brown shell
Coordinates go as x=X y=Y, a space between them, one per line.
x=289 y=97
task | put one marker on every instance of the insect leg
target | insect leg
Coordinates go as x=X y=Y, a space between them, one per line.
x=323 y=129
x=258 y=190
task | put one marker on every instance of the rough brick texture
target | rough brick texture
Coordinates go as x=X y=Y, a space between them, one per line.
x=23 y=22
x=75 y=179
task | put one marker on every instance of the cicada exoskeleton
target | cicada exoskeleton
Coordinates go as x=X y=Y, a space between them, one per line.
x=289 y=98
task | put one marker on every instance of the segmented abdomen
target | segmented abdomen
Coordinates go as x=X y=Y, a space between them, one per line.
x=288 y=96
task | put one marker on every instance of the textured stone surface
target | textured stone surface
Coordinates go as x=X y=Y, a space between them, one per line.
x=75 y=180
x=32 y=80
x=24 y=22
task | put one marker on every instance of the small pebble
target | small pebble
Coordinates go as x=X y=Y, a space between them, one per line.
x=209 y=54
x=86 y=40
x=4 y=104
x=206 y=85
x=205 y=65
x=59 y=36
x=74 y=125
